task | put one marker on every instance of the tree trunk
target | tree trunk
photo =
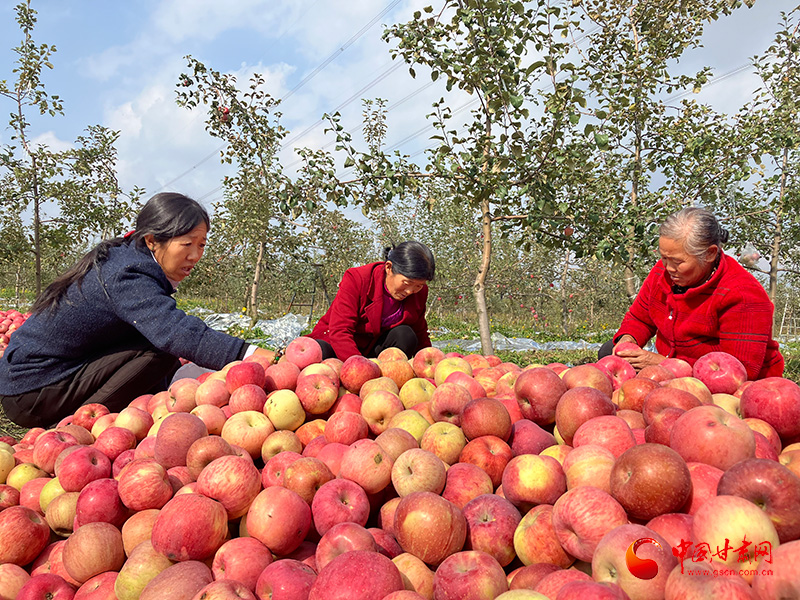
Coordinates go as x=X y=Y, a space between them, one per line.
x=778 y=232
x=564 y=309
x=37 y=225
x=252 y=308
x=479 y=287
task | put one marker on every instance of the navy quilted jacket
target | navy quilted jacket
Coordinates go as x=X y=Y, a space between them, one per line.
x=128 y=303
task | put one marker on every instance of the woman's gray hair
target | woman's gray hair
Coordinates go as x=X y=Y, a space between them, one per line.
x=697 y=228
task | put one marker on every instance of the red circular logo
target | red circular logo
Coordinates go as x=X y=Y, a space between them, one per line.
x=642 y=568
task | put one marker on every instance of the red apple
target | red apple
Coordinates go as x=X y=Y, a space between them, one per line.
x=285 y=579
x=465 y=481
x=664 y=397
x=735 y=519
x=180 y=581
x=418 y=470
x=113 y=441
x=770 y=486
x=81 y=467
x=48 y=446
x=280 y=519
x=721 y=372
x=243 y=373
x=395 y=441
x=778 y=578
x=94 y=548
x=281 y=376
x=358 y=574
x=366 y=463
x=429 y=526
x=87 y=414
x=341 y=538
x=471 y=575
x=491 y=524
x=632 y=393
x=490 y=453
x=303 y=351
x=23 y=535
x=650 y=480
x=617 y=369
x=775 y=400
x=673 y=527
x=305 y=476
x=608 y=431
x=317 y=393
x=12 y=578
x=190 y=527
x=339 y=501
x=425 y=361
x=233 y=481
x=241 y=559
x=582 y=516
x=485 y=416
x=100 y=501
x=448 y=402
x=579 y=404
x=588 y=376
x=589 y=465
x=709 y=434
x=705 y=480
x=46 y=586
x=531 y=479
x=143 y=484
x=678 y=366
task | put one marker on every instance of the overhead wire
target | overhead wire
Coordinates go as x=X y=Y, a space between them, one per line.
x=300 y=84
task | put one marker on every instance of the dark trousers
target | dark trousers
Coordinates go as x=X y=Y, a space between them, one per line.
x=606 y=349
x=402 y=337
x=114 y=380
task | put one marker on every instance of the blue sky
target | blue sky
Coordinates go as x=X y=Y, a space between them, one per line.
x=117 y=64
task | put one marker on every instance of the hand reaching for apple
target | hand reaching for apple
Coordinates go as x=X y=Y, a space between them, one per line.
x=627 y=349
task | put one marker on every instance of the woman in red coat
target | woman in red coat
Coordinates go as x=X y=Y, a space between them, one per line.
x=697 y=300
x=380 y=305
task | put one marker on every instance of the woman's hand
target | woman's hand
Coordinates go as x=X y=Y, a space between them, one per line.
x=264 y=352
x=639 y=358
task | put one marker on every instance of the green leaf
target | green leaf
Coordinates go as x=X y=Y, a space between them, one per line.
x=516 y=101
x=601 y=139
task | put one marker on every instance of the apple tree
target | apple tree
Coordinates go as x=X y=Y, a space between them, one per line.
x=765 y=210
x=72 y=195
x=502 y=162
x=652 y=157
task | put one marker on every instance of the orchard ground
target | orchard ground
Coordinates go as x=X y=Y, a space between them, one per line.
x=457 y=328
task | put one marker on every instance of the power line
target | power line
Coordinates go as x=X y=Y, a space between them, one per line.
x=305 y=80
x=342 y=48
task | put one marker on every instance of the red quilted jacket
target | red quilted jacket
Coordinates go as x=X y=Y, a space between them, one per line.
x=352 y=324
x=730 y=313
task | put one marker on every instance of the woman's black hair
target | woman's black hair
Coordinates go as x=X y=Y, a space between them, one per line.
x=165 y=216
x=411 y=259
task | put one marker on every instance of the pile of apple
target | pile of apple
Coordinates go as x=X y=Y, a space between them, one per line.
x=441 y=477
x=10 y=321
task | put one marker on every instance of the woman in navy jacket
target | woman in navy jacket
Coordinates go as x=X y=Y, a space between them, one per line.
x=108 y=330
x=380 y=305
